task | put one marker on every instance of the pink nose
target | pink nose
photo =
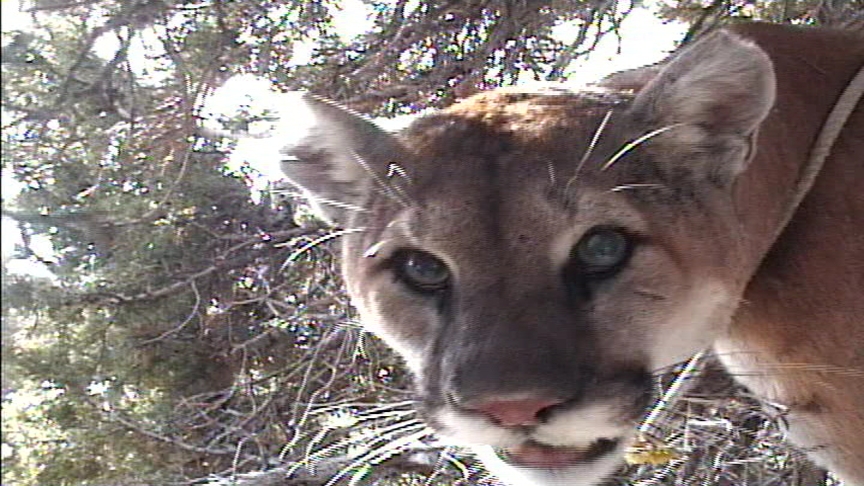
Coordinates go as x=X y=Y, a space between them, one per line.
x=513 y=413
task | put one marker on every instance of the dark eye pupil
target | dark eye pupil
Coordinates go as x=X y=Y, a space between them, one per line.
x=424 y=271
x=602 y=250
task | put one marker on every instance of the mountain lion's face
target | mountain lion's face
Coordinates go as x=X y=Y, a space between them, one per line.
x=536 y=258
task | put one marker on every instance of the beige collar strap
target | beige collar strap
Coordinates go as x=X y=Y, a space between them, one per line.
x=821 y=149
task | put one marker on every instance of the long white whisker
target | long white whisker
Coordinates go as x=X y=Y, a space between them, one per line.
x=448 y=457
x=377 y=456
x=413 y=429
x=381 y=434
x=594 y=139
x=637 y=142
x=373 y=250
x=386 y=414
x=551 y=168
x=628 y=187
x=664 y=402
x=317 y=241
x=397 y=169
x=388 y=190
x=591 y=145
x=373 y=407
x=323 y=200
x=766 y=368
x=339 y=204
x=392 y=169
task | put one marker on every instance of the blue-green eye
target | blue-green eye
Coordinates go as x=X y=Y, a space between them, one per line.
x=601 y=251
x=422 y=271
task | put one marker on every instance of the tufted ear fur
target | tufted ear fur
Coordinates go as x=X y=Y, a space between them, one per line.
x=716 y=93
x=341 y=155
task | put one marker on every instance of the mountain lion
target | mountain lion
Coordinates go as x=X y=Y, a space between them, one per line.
x=536 y=257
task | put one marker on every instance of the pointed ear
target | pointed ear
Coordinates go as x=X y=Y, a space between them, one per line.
x=717 y=92
x=341 y=155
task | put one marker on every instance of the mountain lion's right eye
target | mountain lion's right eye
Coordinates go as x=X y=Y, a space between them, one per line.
x=422 y=271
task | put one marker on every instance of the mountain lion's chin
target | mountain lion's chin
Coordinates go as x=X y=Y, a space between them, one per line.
x=533 y=464
x=534 y=455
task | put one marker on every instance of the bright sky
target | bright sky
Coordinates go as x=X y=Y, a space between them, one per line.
x=646 y=40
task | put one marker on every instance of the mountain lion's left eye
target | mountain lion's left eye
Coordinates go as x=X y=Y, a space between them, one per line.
x=423 y=271
x=602 y=251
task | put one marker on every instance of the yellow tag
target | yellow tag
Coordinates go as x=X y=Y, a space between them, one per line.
x=650 y=452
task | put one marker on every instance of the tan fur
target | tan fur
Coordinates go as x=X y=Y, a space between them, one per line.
x=501 y=187
x=798 y=337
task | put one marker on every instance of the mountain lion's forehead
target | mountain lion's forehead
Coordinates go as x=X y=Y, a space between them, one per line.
x=521 y=116
x=520 y=102
x=502 y=153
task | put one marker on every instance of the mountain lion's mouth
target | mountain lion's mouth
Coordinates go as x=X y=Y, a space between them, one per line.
x=540 y=456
